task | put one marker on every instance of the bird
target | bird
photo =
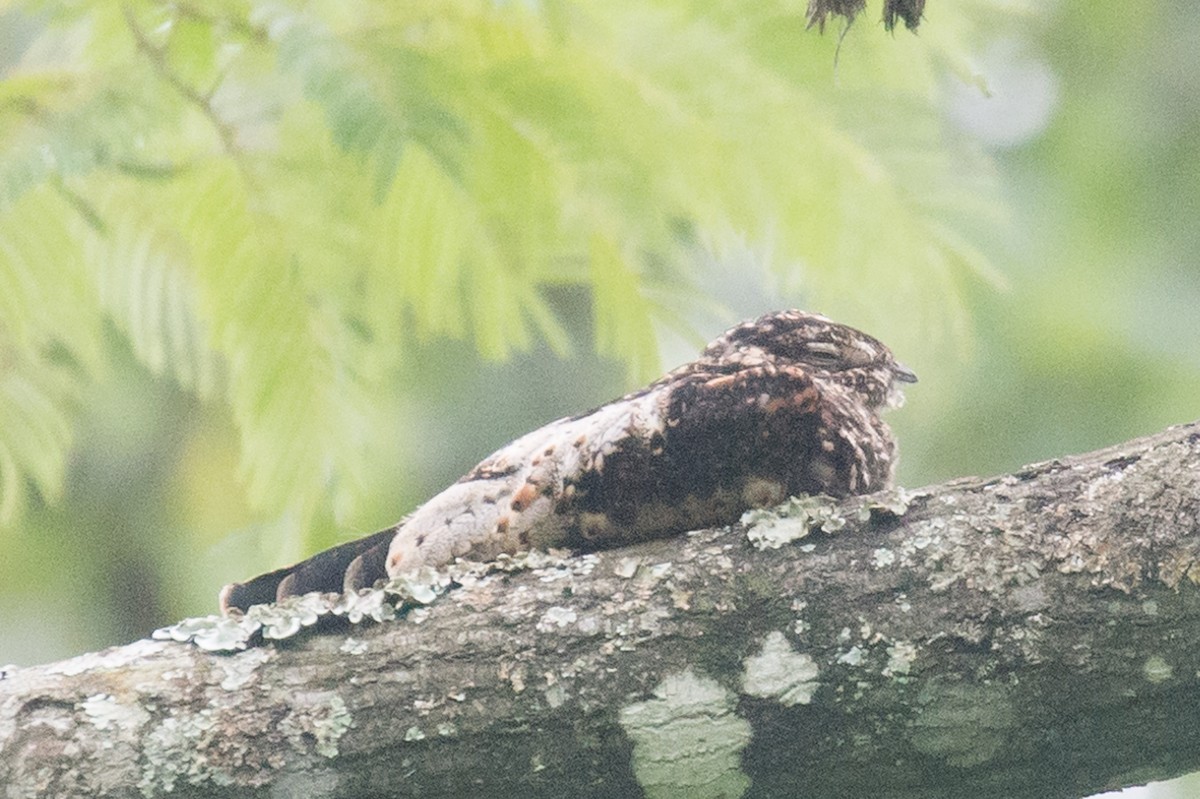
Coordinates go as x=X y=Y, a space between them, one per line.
x=787 y=404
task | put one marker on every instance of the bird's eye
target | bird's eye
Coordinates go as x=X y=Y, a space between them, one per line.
x=835 y=357
x=822 y=353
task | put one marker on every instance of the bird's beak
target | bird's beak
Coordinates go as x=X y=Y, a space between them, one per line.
x=903 y=374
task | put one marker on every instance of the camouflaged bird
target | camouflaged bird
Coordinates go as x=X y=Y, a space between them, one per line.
x=787 y=404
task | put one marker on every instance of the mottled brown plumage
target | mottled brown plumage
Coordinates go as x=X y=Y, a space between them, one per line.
x=785 y=404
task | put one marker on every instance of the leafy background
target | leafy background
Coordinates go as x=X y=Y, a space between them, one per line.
x=272 y=273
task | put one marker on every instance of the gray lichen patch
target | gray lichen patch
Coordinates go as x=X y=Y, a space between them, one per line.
x=115 y=659
x=854 y=656
x=420 y=587
x=105 y=713
x=242 y=668
x=556 y=618
x=893 y=501
x=780 y=672
x=1156 y=670
x=173 y=752
x=323 y=719
x=406 y=593
x=791 y=520
x=956 y=548
x=551 y=564
x=796 y=517
x=626 y=567
x=901 y=656
x=211 y=633
x=1077 y=532
x=287 y=617
x=687 y=740
x=964 y=724
x=353 y=646
x=882 y=557
x=555 y=695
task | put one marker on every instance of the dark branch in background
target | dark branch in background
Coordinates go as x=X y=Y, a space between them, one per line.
x=1031 y=635
x=907 y=11
x=202 y=101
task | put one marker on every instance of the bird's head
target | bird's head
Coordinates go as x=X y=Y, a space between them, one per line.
x=830 y=352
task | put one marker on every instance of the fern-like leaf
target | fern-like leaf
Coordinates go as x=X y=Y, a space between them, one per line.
x=49 y=345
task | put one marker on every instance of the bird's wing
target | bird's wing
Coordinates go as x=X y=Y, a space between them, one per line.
x=511 y=501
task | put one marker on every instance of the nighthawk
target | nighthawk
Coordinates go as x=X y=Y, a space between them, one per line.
x=786 y=404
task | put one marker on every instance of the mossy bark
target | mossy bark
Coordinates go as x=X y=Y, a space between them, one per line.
x=1030 y=635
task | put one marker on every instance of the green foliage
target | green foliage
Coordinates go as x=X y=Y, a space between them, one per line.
x=48 y=347
x=273 y=202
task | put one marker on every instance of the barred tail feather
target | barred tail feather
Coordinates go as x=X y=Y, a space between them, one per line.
x=355 y=564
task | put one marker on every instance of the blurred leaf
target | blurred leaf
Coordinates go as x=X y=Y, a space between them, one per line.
x=298 y=412
x=622 y=327
x=48 y=321
x=191 y=49
x=34 y=404
x=147 y=288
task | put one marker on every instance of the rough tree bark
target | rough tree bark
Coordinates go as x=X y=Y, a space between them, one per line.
x=1031 y=635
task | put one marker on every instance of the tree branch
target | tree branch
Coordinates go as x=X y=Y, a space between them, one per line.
x=1031 y=635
